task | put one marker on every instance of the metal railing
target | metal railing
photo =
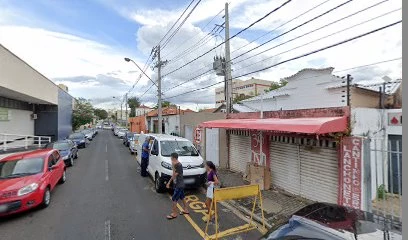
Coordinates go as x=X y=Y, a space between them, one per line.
x=15 y=141
x=386 y=169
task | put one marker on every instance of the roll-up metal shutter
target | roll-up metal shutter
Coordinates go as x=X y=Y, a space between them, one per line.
x=240 y=152
x=319 y=173
x=285 y=166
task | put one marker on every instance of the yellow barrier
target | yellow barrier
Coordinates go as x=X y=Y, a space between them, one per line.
x=232 y=193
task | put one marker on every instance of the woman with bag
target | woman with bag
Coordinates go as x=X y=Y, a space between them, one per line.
x=212 y=182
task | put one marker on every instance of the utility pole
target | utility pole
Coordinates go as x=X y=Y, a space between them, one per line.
x=121 y=111
x=228 y=93
x=126 y=109
x=159 y=65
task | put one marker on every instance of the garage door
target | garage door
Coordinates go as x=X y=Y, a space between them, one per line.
x=319 y=173
x=240 y=152
x=285 y=166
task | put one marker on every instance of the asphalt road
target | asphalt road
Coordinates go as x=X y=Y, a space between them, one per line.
x=104 y=198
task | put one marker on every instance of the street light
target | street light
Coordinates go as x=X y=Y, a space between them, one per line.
x=159 y=110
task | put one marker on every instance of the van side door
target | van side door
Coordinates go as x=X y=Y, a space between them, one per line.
x=154 y=159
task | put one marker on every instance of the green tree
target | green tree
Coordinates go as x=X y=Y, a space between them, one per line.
x=276 y=85
x=133 y=103
x=165 y=104
x=113 y=117
x=240 y=98
x=101 y=113
x=83 y=113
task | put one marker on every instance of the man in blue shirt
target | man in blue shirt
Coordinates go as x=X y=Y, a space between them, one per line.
x=145 y=157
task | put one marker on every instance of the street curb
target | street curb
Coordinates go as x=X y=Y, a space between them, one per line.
x=241 y=211
x=247 y=212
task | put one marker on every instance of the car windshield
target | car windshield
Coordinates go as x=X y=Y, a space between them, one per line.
x=59 y=145
x=20 y=168
x=76 y=136
x=182 y=148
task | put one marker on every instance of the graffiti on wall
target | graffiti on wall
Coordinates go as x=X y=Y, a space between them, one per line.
x=258 y=140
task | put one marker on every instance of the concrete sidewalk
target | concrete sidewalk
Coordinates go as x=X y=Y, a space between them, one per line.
x=277 y=205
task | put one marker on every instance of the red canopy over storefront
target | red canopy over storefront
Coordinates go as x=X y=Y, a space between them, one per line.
x=321 y=125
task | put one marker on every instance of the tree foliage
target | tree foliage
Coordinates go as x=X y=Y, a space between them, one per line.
x=276 y=85
x=83 y=113
x=165 y=104
x=133 y=103
x=101 y=113
x=240 y=98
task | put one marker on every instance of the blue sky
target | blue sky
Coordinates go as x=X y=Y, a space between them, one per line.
x=81 y=43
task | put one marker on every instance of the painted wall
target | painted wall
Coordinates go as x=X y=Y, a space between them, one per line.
x=171 y=123
x=193 y=119
x=373 y=124
x=64 y=114
x=137 y=124
x=19 y=123
x=16 y=75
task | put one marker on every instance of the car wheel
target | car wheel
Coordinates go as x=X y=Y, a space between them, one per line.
x=158 y=184
x=71 y=161
x=46 y=198
x=63 y=178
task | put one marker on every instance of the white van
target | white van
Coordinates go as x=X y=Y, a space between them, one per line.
x=160 y=167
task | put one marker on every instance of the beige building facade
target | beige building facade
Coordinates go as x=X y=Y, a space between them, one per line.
x=250 y=87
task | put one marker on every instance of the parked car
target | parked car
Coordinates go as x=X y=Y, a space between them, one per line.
x=133 y=143
x=88 y=134
x=79 y=139
x=160 y=167
x=67 y=149
x=107 y=127
x=126 y=139
x=121 y=133
x=27 y=179
x=331 y=221
x=116 y=130
x=94 y=132
x=98 y=126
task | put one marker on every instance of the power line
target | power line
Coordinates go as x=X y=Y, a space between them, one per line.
x=241 y=31
x=181 y=24
x=311 y=9
x=298 y=26
x=343 y=70
x=204 y=73
x=191 y=39
x=316 y=40
x=312 y=31
x=322 y=49
x=174 y=24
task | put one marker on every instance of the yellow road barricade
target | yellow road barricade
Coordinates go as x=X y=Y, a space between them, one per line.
x=233 y=193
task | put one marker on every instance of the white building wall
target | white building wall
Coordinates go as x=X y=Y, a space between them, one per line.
x=306 y=90
x=19 y=123
x=171 y=124
x=373 y=123
x=18 y=76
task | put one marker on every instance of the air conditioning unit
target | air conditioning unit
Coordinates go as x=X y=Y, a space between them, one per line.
x=34 y=116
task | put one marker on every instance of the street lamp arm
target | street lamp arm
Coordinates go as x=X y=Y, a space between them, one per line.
x=131 y=60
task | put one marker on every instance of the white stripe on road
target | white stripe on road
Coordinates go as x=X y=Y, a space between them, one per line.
x=106 y=148
x=106 y=170
x=107 y=230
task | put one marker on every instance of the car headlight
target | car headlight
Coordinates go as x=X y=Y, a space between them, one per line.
x=166 y=165
x=27 y=189
x=83 y=140
x=65 y=157
x=202 y=165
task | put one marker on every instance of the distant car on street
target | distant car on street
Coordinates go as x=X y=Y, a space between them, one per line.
x=133 y=143
x=127 y=137
x=121 y=133
x=27 y=179
x=88 y=133
x=331 y=221
x=67 y=149
x=79 y=139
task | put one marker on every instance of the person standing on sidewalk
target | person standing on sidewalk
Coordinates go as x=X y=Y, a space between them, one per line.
x=179 y=185
x=212 y=181
x=145 y=157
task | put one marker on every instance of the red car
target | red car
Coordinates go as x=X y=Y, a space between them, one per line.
x=27 y=179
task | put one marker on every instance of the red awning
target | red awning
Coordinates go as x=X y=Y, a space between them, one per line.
x=321 y=125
